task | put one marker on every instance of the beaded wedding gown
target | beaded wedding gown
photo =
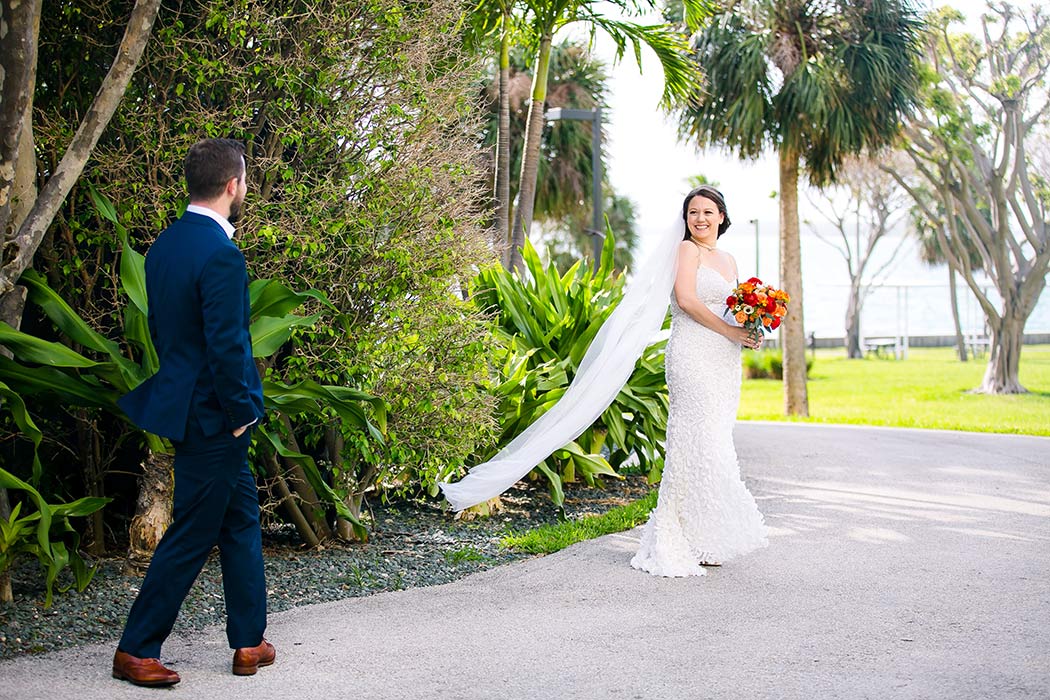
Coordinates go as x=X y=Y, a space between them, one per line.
x=704 y=511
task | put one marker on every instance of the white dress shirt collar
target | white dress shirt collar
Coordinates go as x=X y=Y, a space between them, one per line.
x=215 y=216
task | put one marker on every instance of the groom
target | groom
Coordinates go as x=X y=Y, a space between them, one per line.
x=205 y=398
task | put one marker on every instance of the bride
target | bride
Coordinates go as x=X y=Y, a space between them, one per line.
x=704 y=513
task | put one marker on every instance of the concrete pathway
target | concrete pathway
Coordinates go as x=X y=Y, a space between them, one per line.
x=902 y=564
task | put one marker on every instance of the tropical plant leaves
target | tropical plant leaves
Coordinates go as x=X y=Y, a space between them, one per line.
x=546 y=322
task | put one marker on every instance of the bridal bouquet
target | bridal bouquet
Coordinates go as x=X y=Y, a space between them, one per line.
x=757 y=307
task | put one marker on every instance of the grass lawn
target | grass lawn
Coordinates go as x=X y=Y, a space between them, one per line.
x=552 y=538
x=928 y=390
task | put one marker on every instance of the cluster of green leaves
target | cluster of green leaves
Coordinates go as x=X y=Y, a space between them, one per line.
x=767 y=364
x=51 y=371
x=47 y=534
x=819 y=81
x=545 y=323
x=363 y=170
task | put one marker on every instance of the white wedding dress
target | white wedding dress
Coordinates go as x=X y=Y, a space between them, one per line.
x=704 y=510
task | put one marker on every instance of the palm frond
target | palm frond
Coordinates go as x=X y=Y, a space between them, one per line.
x=680 y=73
x=732 y=104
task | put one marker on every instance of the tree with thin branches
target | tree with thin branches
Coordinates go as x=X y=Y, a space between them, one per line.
x=872 y=208
x=974 y=145
x=929 y=232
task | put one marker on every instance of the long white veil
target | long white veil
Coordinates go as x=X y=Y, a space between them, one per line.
x=604 y=370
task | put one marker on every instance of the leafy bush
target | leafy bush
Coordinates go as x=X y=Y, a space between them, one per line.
x=545 y=323
x=363 y=169
x=767 y=364
x=46 y=534
x=54 y=372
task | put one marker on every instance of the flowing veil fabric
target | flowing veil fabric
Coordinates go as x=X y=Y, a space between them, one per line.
x=605 y=368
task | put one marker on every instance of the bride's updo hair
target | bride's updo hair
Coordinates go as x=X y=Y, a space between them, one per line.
x=715 y=196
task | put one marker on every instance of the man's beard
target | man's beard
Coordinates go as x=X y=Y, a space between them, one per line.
x=235 y=211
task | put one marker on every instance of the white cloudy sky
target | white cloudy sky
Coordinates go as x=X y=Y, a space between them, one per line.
x=647 y=163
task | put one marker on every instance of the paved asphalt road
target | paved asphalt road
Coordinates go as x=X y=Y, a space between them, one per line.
x=902 y=564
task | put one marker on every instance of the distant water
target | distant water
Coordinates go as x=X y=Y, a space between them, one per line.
x=909 y=297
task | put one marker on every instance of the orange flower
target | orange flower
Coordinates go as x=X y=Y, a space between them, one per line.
x=741 y=317
x=781 y=310
x=766 y=321
x=747 y=287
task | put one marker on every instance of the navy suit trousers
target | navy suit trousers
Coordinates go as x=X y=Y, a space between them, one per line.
x=216 y=502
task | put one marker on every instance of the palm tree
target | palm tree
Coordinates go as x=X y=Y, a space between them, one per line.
x=817 y=80
x=564 y=199
x=546 y=17
x=487 y=17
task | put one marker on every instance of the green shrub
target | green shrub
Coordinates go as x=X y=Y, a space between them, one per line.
x=767 y=364
x=365 y=182
x=46 y=534
x=545 y=322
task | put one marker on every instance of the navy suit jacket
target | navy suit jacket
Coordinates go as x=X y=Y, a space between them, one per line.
x=199 y=313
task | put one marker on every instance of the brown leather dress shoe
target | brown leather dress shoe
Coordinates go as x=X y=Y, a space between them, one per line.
x=147 y=672
x=246 y=661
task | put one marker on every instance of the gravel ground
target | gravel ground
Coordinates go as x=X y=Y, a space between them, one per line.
x=413 y=544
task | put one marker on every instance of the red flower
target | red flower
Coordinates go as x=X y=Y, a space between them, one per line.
x=754 y=280
x=731 y=302
x=775 y=324
x=751 y=299
x=771 y=304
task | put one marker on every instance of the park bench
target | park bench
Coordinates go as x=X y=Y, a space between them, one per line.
x=978 y=344
x=876 y=344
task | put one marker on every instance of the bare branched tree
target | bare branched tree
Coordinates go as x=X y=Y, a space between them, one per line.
x=873 y=206
x=986 y=103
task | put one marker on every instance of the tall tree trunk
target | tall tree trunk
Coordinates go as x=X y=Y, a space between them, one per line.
x=152 y=511
x=530 y=162
x=1004 y=360
x=960 y=341
x=502 y=229
x=19 y=23
x=792 y=333
x=853 y=309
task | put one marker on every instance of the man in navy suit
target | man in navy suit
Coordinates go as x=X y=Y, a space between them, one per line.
x=205 y=398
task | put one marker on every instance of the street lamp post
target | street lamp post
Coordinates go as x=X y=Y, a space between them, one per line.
x=755 y=222
x=594 y=116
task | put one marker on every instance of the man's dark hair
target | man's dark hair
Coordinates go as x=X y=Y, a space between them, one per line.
x=210 y=164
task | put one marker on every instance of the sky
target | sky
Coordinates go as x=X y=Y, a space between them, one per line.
x=648 y=164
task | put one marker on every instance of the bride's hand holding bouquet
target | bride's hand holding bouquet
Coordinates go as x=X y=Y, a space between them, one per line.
x=757 y=307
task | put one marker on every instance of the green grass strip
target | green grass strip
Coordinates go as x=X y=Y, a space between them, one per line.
x=928 y=390
x=551 y=538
